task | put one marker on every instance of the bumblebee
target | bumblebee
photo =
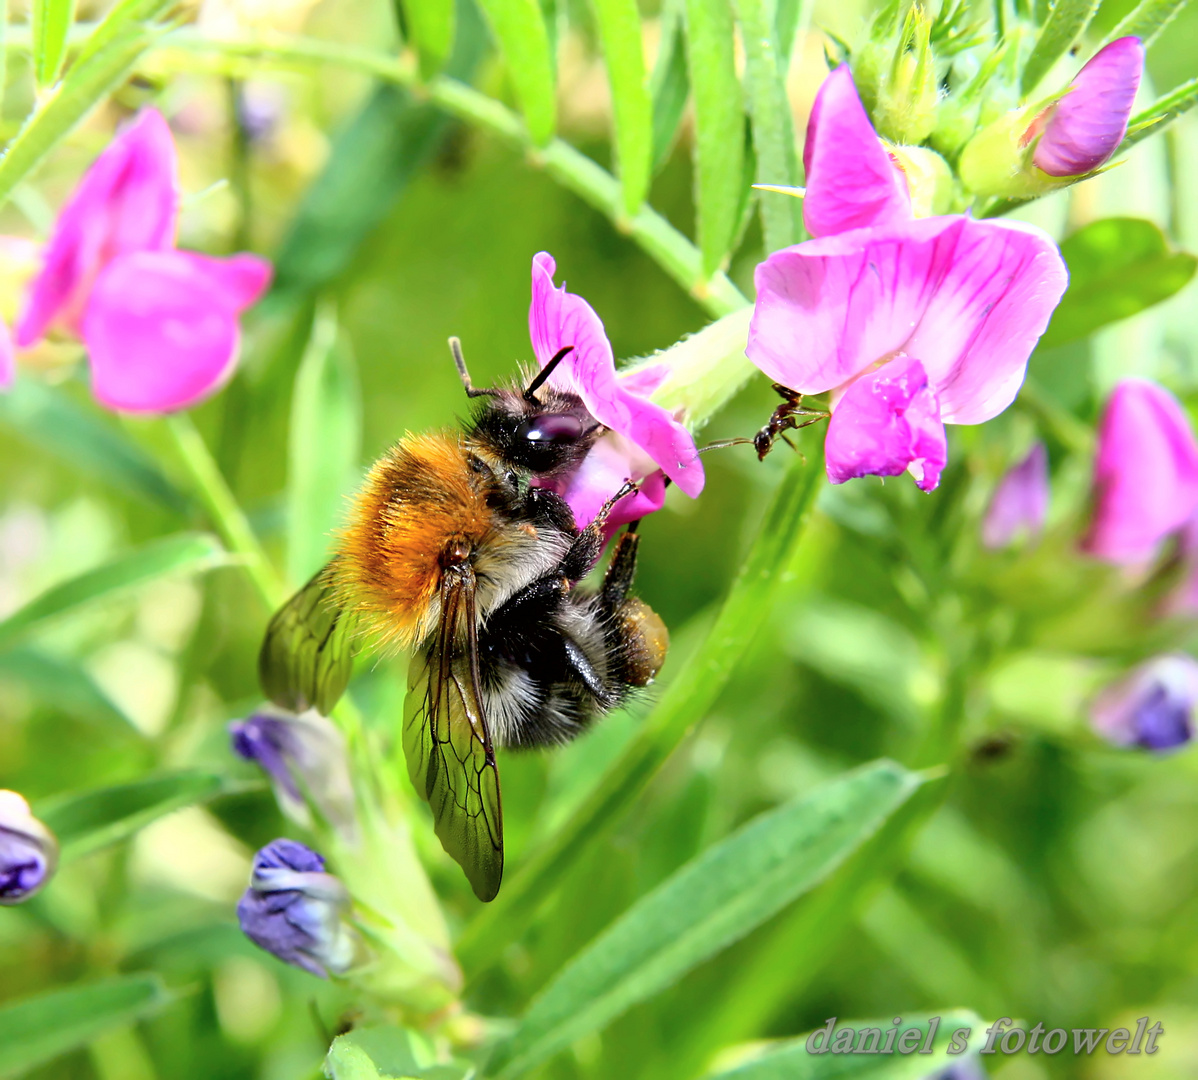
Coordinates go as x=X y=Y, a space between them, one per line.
x=453 y=553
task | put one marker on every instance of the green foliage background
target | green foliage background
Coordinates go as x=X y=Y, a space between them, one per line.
x=1045 y=877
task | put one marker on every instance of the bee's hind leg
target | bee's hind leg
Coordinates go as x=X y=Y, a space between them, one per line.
x=617 y=581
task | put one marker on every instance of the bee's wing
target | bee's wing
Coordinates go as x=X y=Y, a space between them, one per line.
x=307 y=655
x=448 y=745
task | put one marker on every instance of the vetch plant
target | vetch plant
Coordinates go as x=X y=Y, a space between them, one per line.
x=28 y=851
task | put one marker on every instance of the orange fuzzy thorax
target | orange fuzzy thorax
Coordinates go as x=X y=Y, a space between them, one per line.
x=418 y=500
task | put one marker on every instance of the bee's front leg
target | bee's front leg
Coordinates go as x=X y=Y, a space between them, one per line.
x=588 y=545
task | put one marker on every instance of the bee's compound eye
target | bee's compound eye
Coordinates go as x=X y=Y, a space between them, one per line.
x=552 y=428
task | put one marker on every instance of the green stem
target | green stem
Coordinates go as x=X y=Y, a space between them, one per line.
x=686 y=700
x=222 y=507
x=570 y=168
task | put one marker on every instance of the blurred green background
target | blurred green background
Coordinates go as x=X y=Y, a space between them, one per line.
x=1058 y=881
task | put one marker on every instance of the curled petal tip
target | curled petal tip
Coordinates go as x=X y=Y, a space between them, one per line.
x=851 y=180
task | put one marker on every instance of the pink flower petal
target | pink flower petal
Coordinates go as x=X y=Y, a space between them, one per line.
x=1145 y=473
x=851 y=181
x=1084 y=128
x=161 y=327
x=610 y=462
x=8 y=360
x=969 y=298
x=1020 y=502
x=556 y=319
x=887 y=422
x=127 y=201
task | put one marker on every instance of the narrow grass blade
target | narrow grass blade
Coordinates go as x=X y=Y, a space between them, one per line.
x=684 y=703
x=620 y=32
x=50 y=21
x=105 y=59
x=1161 y=113
x=713 y=901
x=519 y=28
x=47 y=418
x=324 y=446
x=430 y=28
x=773 y=126
x=184 y=553
x=39 y=1029
x=669 y=85
x=719 y=119
x=87 y=821
x=1066 y=22
x=1146 y=20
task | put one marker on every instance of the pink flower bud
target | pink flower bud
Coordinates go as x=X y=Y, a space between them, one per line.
x=1145 y=473
x=1020 y=502
x=1083 y=129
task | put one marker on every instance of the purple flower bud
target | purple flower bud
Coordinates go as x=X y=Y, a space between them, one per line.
x=1083 y=129
x=28 y=850
x=305 y=758
x=1152 y=706
x=297 y=911
x=1020 y=502
x=1145 y=473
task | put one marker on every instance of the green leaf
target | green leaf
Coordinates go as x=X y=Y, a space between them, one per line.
x=105 y=59
x=61 y=684
x=374 y=157
x=324 y=446
x=1067 y=20
x=669 y=86
x=1146 y=20
x=87 y=821
x=1117 y=267
x=1161 y=113
x=719 y=119
x=519 y=28
x=713 y=901
x=39 y=1029
x=791 y=1061
x=620 y=32
x=688 y=696
x=430 y=27
x=386 y=1053
x=773 y=125
x=50 y=420
x=791 y=15
x=51 y=20
x=183 y=553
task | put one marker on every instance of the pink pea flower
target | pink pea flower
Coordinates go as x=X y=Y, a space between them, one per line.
x=160 y=325
x=1152 y=706
x=1020 y=502
x=911 y=324
x=1081 y=131
x=643 y=442
x=1145 y=473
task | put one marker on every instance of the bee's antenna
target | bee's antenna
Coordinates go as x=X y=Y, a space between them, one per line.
x=545 y=372
x=455 y=347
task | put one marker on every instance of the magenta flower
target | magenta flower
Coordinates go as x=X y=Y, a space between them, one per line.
x=160 y=325
x=1152 y=706
x=643 y=442
x=1145 y=473
x=1080 y=132
x=911 y=324
x=1020 y=502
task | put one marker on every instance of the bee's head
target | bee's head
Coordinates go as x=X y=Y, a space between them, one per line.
x=539 y=429
x=547 y=436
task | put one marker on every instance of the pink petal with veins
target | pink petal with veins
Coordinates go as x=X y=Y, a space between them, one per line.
x=556 y=319
x=126 y=202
